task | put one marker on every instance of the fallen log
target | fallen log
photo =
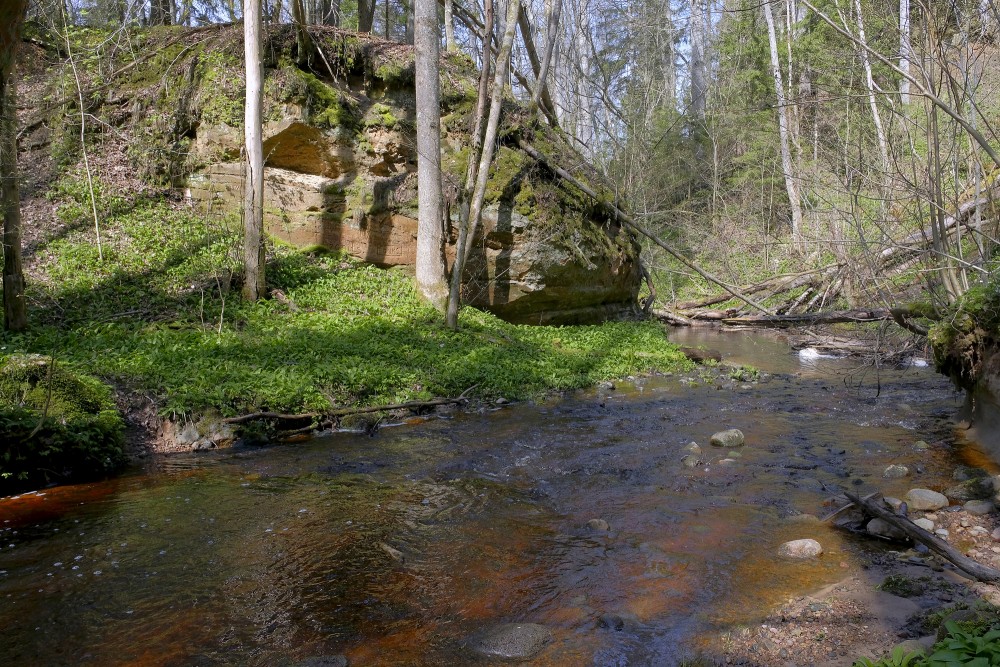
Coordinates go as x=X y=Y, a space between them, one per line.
x=671 y=318
x=778 y=283
x=828 y=317
x=976 y=570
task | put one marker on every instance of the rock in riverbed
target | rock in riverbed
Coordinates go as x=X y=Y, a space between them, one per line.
x=512 y=641
x=979 y=507
x=925 y=500
x=729 y=438
x=896 y=472
x=800 y=549
x=598 y=525
x=978 y=488
x=882 y=528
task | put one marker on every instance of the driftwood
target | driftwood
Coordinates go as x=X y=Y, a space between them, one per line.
x=776 y=285
x=970 y=567
x=828 y=317
x=671 y=318
x=899 y=315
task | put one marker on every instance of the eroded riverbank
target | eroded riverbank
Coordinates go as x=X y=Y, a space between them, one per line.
x=399 y=549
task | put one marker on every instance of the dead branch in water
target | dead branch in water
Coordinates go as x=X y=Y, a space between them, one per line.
x=977 y=571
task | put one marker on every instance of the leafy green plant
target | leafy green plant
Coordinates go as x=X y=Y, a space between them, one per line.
x=961 y=647
x=899 y=657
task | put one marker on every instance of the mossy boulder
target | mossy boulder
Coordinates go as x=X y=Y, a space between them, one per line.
x=55 y=425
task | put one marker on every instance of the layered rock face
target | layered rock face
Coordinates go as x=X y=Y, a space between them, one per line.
x=341 y=173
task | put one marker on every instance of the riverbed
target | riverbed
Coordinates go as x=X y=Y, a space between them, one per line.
x=403 y=547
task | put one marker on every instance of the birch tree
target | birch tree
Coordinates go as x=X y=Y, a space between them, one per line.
x=787 y=164
x=253 y=185
x=481 y=174
x=12 y=14
x=430 y=260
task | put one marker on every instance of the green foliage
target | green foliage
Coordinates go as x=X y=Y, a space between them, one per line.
x=744 y=374
x=976 y=644
x=898 y=658
x=903 y=586
x=962 y=647
x=159 y=316
x=55 y=424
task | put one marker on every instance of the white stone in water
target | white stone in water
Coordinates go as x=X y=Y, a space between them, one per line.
x=800 y=549
x=925 y=499
x=926 y=524
x=895 y=472
x=693 y=448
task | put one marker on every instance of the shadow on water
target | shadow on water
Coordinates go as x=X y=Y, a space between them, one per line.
x=394 y=550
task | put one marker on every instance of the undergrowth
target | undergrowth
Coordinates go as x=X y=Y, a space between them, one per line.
x=161 y=316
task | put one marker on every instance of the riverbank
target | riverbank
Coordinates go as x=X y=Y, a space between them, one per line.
x=154 y=311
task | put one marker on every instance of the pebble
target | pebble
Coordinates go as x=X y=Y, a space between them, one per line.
x=895 y=472
x=921 y=446
x=995 y=535
x=693 y=448
x=598 y=524
x=690 y=461
x=513 y=641
x=941 y=532
x=925 y=523
x=800 y=549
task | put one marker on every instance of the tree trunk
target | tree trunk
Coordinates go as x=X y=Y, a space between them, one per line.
x=905 y=50
x=791 y=186
x=410 y=20
x=449 y=25
x=366 y=15
x=253 y=185
x=468 y=230
x=699 y=63
x=430 y=268
x=15 y=312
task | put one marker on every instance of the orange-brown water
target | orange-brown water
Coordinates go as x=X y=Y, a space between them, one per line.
x=270 y=556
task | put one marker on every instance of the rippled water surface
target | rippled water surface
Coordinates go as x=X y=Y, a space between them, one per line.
x=394 y=549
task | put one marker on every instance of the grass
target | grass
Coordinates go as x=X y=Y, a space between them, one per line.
x=158 y=316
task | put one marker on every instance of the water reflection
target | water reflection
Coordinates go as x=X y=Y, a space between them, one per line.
x=393 y=550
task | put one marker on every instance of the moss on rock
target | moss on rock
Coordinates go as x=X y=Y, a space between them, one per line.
x=55 y=425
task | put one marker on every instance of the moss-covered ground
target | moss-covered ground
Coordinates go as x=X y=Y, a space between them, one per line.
x=161 y=316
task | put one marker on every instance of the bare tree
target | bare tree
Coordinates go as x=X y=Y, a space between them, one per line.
x=253 y=185
x=12 y=14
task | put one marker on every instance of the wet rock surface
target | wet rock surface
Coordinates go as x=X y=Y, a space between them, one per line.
x=512 y=641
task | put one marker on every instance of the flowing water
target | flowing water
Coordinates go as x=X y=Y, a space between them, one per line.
x=394 y=549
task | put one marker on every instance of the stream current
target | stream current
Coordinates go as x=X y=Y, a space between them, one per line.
x=395 y=549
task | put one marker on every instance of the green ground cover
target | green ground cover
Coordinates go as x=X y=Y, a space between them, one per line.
x=161 y=315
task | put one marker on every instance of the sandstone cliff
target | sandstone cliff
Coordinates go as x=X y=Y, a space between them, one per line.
x=341 y=166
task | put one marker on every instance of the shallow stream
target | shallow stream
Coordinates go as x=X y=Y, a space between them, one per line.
x=395 y=549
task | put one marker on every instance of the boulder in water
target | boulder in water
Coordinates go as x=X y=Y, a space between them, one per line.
x=512 y=641
x=977 y=488
x=800 y=549
x=895 y=471
x=925 y=500
x=729 y=438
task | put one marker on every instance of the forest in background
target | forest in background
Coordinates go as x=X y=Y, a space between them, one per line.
x=846 y=147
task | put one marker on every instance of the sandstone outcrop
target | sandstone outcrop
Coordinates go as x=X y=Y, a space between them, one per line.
x=341 y=174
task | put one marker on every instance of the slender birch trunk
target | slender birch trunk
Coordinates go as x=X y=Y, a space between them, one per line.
x=430 y=268
x=468 y=231
x=786 y=152
x=905 y=50
x=253 y=185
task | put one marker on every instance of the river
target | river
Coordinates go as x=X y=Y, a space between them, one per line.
x=395 y=549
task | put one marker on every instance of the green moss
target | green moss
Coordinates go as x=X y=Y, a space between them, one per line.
x=56 y=425
x=222 y=90
x=506 y=174
x=380 y=115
